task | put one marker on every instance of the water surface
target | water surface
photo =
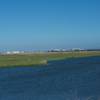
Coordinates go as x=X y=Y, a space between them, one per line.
x=70 y=79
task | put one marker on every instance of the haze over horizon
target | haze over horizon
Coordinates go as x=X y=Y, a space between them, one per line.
x=47 y=24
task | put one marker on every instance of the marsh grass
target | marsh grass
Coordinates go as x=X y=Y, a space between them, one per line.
x=41 y=58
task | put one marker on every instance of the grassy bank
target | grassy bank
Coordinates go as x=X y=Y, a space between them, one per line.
x=41 y=58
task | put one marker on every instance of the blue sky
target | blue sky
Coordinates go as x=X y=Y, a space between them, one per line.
x=46 y=24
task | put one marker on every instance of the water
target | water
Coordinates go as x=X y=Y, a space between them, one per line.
x=73 y=79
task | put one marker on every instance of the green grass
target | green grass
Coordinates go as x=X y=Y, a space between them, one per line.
x=41 y=58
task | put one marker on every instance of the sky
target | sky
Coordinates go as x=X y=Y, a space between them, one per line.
x=49 y=24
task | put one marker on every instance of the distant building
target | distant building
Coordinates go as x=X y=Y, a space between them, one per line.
x=77 y=49
x=57 y=50
x=14 y=52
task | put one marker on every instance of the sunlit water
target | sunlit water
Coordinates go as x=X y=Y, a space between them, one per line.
x=73 y=79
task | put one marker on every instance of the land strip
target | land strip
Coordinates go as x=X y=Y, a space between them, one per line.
x=40 y=58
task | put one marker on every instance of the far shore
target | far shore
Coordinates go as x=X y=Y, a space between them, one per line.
x=32 y=59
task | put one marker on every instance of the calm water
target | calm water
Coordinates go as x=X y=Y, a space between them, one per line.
x=73 y=79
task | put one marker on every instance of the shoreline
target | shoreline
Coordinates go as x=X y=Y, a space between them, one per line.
x=8 y=61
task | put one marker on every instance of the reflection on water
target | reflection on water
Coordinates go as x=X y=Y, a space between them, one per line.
x=73 y=79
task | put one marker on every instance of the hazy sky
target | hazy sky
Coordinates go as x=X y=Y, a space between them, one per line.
x=45 y=24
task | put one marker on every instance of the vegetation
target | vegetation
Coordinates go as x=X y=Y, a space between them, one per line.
x=41 y=58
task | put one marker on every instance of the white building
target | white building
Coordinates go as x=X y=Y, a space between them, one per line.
x=13 y=52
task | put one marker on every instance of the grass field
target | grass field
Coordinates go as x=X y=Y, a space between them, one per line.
x=41 y=58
